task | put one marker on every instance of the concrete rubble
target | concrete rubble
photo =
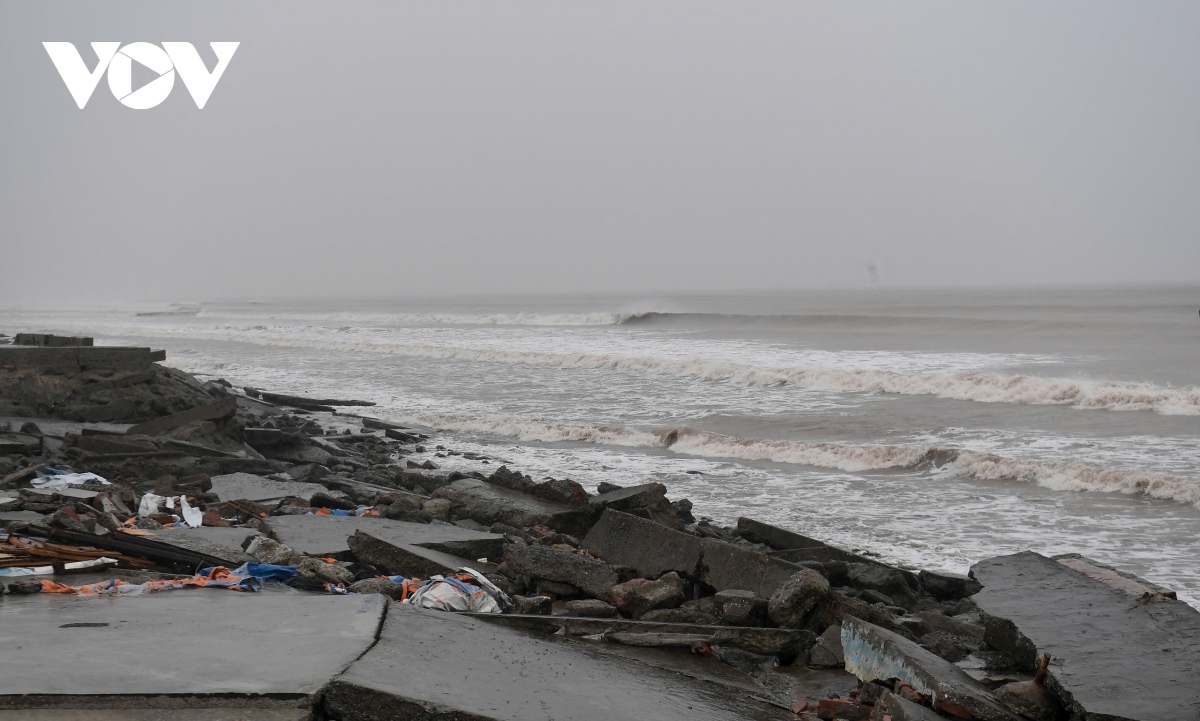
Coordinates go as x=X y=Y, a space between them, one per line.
x=182 y=549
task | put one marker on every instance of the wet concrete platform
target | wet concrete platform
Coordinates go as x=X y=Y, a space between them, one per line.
x=327 y=535
x=184 y=649
x=1115 y=654
x=440 y=665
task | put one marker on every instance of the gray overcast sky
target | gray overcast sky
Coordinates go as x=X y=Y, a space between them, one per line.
x=393 y=147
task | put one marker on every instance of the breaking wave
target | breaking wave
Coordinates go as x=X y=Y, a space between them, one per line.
x=516 y=319
x=983 y=387
x=1059 y=475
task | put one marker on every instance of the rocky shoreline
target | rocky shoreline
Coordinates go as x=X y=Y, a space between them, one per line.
x=651 y=612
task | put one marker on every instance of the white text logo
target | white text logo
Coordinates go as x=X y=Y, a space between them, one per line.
x=118 y=60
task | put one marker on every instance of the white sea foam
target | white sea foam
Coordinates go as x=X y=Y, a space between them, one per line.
x=1061 y=475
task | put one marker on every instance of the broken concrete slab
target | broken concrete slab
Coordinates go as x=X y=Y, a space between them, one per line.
x=489 y=504
x=285 y=647
x=414 y=672
x=327 y=535
x=650 y=548
x=213 y=411
x=1115 y=653
x=223 y=543
x=237 y=486
x=406 y=559
x=648 y=500
x=874 y=653
x=793 y=546
x=725 y=566
x=591 y=576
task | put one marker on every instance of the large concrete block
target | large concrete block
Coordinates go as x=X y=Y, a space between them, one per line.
x=875 y=653
x=487 y=504
x=431 y=665
x=593 y=577
x=200 y=647
x=650 y=548
x=725 y=565
x=1118 y=650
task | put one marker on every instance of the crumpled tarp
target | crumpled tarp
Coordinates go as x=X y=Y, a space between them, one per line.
x=216 y=577
x=56 y=480
x=464 y=590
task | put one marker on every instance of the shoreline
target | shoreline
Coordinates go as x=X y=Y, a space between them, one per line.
x=578 y=559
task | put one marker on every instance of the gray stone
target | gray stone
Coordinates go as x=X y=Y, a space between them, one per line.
x=639 y=596
x=565 y=680
x=1115 y=654
x=323 y=571
x=740 y=608
x=873 y=653
x=947 y=586
x=332 y=499
x=827 y=653
x=387 y=587
x=888 y=581
x=591 y=608
x=593 y=577
x=791 y=602
x=650 y=548
x=533 y=605
x=268 y=550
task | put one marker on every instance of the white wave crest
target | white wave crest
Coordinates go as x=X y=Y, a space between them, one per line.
x=1057 y=475
x=516 y=319
x=967 y=385
x=977 y=386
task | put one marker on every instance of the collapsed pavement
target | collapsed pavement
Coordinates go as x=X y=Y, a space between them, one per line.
x=182 y=491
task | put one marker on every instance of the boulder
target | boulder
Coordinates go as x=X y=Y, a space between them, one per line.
x=888 y=581
x=389 y=588
x=789 y=605
x=827 y=652
x=740 y=608
x=948 y=587
x=591 y=608
x=268 y=550
x=320 y=570
x=332 y=499
x=533 y=605
x=639 y=596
